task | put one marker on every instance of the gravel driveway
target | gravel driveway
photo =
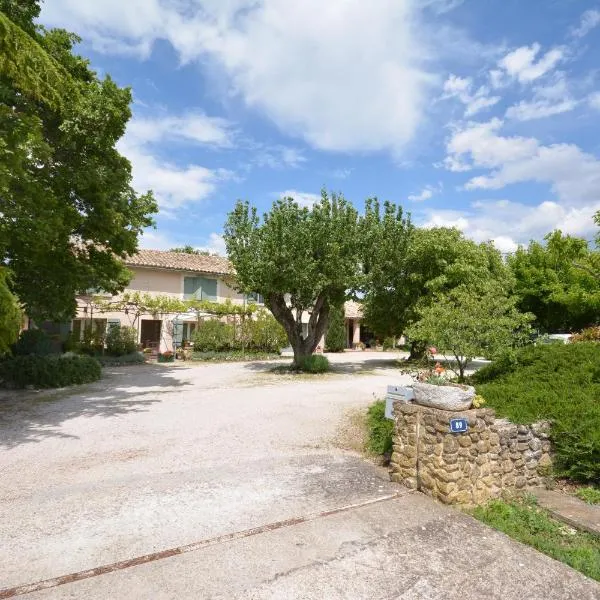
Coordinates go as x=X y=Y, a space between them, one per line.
x=161 y=457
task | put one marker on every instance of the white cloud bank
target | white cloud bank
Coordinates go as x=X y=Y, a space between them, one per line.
x=343 y=75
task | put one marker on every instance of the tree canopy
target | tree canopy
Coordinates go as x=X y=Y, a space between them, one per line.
x=558 y=282
x=409 y=267
x=68 y=212
x=300 y=259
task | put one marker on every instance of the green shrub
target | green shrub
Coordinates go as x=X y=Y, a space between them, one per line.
x=335 y=338
x=121 y=341
x=213 y=335
x=389 y=343
x=380 y=429
x=262 y=333
x=33 y=341
x=48 y=371
x=134 y=358
x=315 y=363
x=560 y=383
x=92 y=342
x=234 y=356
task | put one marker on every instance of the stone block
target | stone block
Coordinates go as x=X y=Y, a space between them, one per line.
x=520 y=482
x=464 y=441
x=450 y=444
x=545 y=461
x=446 y=487
x=483 y=446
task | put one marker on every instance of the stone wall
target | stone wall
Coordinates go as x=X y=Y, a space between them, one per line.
x=466 y=468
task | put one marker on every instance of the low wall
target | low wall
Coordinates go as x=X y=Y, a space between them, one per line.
x=466 y=468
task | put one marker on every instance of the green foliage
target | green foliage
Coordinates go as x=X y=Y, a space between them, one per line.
x=558 y=282
x=309 y=255
x=380 y=429
x=471 y=321
x=560 y=383
x=187 y=249
x=92 y=342
x=591 y=495
x=524 y=521
x=407 y=267
x=33 y=341
x=166 y=357
x=389 y=343
x=261 y=333
x=335 y=338
x=121 y=341
x=214 y=336
x=134 y=358
x=10 y=314
x=62 y=181
x=315 y=363
x=48 y=371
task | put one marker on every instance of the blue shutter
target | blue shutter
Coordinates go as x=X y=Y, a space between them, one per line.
x=209 y=289
x=191 y=288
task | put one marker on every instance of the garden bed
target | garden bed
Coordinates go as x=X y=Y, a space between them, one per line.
x=233 y=356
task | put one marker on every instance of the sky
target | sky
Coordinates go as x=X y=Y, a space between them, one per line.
x=478 y=114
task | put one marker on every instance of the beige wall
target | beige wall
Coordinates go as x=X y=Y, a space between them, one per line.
x=155 y=281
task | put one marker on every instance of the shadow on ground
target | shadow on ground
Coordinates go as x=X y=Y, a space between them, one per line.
x=31 y=416
x=339 y=367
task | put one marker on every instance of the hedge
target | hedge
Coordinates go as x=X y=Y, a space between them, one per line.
x=560 y=383
x=48 y=371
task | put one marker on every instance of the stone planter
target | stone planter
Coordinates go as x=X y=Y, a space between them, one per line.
x=445 y=397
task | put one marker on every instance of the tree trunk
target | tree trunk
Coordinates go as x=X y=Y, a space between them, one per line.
x=291 y=320
x=417 y=350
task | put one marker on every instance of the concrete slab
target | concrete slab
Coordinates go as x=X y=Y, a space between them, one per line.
x=569 y=509
x=408 y=548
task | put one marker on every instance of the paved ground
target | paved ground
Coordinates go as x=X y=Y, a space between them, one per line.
x=570 y=509
x=231 y=469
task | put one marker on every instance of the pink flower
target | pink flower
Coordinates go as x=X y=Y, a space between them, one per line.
x=433 y=350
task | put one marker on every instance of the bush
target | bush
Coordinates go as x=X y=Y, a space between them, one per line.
x=92 y=342
x=234 y=356
x=48 y=371
x=166 y=357
x=215 y=336
x=262 y=333
x=389 y=343
x=134 y=358
x=33 y=341
x=591 y=334
x=121 y=341
x=315 y=363
x=379 y=428
x=335 y=339
x=560 y=383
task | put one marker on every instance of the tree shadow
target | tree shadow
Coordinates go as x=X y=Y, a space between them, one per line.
x=340 y=367
x=31 y=416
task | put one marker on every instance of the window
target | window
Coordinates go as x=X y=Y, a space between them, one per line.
x=80 y=325
x=254 y=297
x=200 y=288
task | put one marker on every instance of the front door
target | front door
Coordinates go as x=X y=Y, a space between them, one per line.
x=150 y=334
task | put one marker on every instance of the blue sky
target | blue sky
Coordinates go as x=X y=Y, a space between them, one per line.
x=481 y=114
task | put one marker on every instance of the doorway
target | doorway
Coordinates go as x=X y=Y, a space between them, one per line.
x=150 y=333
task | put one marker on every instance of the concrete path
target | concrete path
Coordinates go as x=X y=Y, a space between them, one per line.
x=570 y=509
x=221 y=481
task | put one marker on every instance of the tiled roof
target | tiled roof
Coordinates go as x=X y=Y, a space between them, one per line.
x=353 y=310
x=179 y=261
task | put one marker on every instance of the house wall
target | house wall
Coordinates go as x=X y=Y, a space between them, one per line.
x=157 y=282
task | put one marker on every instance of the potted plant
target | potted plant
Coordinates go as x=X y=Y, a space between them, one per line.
x=166 y=357
x=433 y=389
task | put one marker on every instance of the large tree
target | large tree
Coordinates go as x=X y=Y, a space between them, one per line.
x=407 y=268
x=302 y=260
x=557 y=281
x=68 y=213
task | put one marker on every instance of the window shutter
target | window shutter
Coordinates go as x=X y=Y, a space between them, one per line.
x=209 y=289
x=191 y=288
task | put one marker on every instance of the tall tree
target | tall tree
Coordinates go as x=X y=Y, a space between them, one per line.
x=302 y=260
x=556 y=282
x=410 y=267
x=10 y=314
x=335 y=338
x=68 y=213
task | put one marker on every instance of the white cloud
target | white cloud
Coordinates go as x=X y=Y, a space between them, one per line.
x=441 y=6
x=425 y=194
x=509 y=224
x=342 y=173
x=343 y=75
x=215 y=245
x=594 y=100
x=521 y=63
x=589 y=20
x=461 y=88
x=573 y=175
x=192 y=127
x=277 y=156
x=538 y=109
x=304 y=199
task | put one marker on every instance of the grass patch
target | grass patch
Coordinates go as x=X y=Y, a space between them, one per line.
x=233 y=356
x=380 y=429
x=526 y=522
x=315 y=364
x=591 y=495
x=560 y=383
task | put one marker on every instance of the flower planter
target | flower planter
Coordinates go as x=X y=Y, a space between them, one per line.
x=444 y=397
